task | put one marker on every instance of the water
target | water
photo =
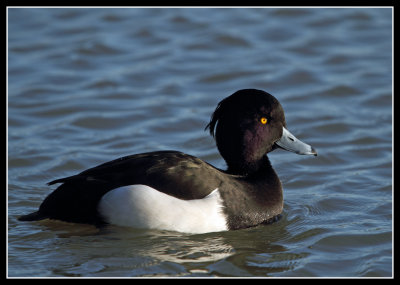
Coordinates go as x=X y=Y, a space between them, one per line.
x=86 y=86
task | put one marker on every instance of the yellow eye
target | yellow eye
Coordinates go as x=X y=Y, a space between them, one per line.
x=263 y=120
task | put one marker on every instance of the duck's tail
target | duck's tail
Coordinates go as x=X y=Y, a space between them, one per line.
x=35 y=216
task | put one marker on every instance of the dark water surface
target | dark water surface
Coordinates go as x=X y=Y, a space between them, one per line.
x=86 y=86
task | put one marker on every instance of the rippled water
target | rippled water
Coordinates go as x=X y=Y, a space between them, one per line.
x=86 y=86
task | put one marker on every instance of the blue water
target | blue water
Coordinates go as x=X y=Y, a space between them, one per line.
x=86 y=86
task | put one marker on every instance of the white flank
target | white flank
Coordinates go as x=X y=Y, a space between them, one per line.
x=141 y=206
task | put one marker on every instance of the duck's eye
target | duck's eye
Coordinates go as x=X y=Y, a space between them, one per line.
x=263 y=120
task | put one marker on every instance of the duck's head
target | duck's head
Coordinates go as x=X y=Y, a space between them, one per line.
x=249 y=124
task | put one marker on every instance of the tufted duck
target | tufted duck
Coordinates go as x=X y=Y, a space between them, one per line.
x=171 y=190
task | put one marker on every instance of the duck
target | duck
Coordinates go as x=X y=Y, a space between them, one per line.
x=174 y=191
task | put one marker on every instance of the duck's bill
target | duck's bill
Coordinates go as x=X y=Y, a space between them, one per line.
x=291 y=143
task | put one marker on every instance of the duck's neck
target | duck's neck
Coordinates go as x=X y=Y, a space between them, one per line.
x=264 y=182
x=246 y=168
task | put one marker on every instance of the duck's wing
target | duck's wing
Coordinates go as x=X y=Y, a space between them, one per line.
x=171 y=172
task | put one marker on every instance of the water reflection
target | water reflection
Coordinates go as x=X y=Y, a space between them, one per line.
x=173 y=246
x=107 y=250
